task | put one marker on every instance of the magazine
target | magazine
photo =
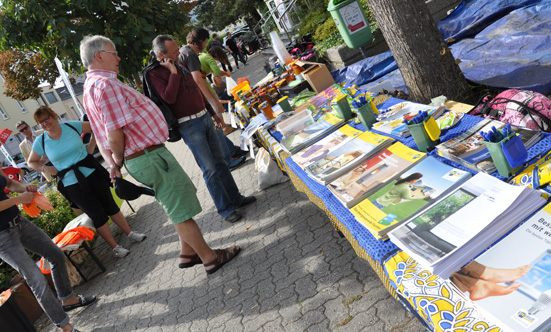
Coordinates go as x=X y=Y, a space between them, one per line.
x=321 y=148
x=453 y=230
x=347 y=156
x=298 y=141
x=514 y=287
x=401 y=198
x=354 y=186
x=322 y=101
x=391 y=120
x=469 y=150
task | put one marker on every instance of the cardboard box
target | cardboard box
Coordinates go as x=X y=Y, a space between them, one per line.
x=317 y=75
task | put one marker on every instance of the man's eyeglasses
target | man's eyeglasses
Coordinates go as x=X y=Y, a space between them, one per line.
x=112 y=52
x=23 y=129
x=44 y=120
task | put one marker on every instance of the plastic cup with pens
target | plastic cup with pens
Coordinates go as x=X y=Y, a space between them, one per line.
x=507 y=150
x=425 y=131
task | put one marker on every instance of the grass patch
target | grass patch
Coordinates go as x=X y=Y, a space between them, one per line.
x=349 y=301
x=344 y=321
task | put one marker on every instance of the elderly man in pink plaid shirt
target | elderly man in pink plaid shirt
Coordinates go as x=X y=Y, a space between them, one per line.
x=130 y=130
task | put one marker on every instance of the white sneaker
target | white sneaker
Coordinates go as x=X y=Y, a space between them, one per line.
x=119 y=251
x=136 y=237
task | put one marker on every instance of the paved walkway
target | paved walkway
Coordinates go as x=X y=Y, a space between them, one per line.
x=294 y=272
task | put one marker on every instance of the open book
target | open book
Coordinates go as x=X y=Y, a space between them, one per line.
x=391 y=120
x=307 y=136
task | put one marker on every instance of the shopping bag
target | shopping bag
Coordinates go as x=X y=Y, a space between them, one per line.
x=267 y=170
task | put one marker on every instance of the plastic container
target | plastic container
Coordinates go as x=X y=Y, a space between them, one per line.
x=295 y=123
x=340 y=104
x=422 y=139
x=366 y=116
x=500 y=150
x=351 y=22
x=243 y=86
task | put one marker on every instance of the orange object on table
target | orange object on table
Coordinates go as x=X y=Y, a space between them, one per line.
x=267 y=110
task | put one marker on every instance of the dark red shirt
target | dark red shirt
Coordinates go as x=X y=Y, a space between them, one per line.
x=179 y=91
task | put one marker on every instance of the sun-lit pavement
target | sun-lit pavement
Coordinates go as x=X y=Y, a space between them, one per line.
x=294 y=273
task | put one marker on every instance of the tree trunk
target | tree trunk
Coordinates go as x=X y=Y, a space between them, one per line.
x=427 y=65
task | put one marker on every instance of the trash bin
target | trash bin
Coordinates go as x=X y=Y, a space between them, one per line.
x=351 y=22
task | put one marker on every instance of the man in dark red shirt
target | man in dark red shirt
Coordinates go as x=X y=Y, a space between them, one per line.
x=176 y=86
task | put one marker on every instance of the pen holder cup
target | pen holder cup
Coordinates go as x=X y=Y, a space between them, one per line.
x=340 y=104
x=366 y=116
x=284 y=104
x=508 y=154
x=421 y=137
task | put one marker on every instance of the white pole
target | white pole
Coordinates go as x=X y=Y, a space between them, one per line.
x=68 y=85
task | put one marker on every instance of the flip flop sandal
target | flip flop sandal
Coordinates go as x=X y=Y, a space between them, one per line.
x=194 y=261
x=222 y=257
x=82 y=302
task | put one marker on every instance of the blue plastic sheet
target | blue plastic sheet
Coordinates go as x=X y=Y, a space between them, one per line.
x=502 y=44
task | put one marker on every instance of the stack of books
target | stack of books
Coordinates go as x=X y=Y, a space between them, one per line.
x=511 y=282
x=320 y=149
x=312 y=133
x=456 y=228
x=469 y=150
x=341 y=159
x=356 y=185
x=398 y=200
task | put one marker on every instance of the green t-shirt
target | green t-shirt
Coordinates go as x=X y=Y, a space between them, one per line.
x=208 y=66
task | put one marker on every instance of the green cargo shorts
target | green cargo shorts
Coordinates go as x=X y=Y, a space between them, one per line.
x=174 y=190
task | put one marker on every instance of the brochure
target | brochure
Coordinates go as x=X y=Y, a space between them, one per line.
x=354 y=186
x=347 y=156
x=453 y=230
x=511 y=282
x=401 y=198
x=307 y=136
x=324 y=146
x=391 y=120
x=469 y=149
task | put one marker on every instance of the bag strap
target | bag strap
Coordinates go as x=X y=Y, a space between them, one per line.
x=529 y=111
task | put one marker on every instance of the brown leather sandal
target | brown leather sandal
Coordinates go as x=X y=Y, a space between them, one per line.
x=195 y=259
x=222 y=257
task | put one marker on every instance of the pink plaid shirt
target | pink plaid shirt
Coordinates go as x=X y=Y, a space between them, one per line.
x=111 y=104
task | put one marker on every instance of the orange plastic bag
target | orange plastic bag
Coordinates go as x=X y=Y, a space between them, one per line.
x=39 y=200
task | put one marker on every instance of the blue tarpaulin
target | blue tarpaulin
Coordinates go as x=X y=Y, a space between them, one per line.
x=502 y=44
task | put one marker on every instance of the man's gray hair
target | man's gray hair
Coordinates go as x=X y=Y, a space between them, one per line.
x=158 y=45
x=90 y=45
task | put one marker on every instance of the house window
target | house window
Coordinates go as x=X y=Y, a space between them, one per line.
x=63 y=117
x=21 y=107
x=50 y=97
x=3 y=114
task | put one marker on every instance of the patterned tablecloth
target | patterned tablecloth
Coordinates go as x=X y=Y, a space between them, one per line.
x=432 y=299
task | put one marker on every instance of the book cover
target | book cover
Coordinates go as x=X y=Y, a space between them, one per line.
x=511 y=282
x=391 y=120
x=354 y=186
x=347 y=156
x=469 y=149
x=322 y=101
x=295 y=142
x=324 y=146
x=401 y=198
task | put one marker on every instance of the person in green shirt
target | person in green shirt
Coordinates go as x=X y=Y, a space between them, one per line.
x=400 y=191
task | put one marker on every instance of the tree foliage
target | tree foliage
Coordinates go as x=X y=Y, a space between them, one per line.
x=24 y=72
x=217 y=14
x=56 y=27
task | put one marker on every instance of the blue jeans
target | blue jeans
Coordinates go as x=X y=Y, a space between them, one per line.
x=224 y=145
x=26 y=235
x=202 y=139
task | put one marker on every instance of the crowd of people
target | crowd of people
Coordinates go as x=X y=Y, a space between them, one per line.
x=130 y=131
